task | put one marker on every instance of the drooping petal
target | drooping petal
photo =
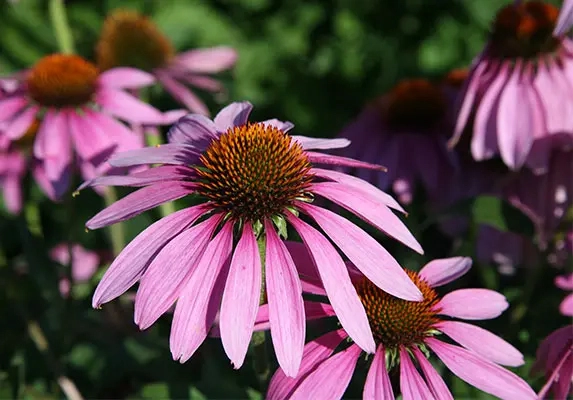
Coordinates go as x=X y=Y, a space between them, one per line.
x=20 y=124
x=286 y=310
x=12 y=192
x=472 y=304
x=331 y=378
x=329 y=159
x=139 y=201
x=150 y=176
x=565 y=19
x=57 y=148
x=412 y=385
x=197 y=306
x=336 y=281
x=482 y=342
x=235 y=114
x=169 y=272
x=89 y=140
x=131 y=263
x=315 y=352
x=194 y=129
x=210 y=60
x=481 y=373
x=375 y=214
x=309 y=143
x=11 y=106
x=445 y=270
x=284 y=126
x=566 y=306
x=435 y=382
x=128 y=108
x=125 y=78
x=170 y=153
x=365 y=252
x=378 y=385
x=182 y=94
x=241 y=297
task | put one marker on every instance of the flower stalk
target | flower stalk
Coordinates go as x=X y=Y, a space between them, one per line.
x=61 y=27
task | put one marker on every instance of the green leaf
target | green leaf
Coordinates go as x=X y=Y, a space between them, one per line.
x=500 y=214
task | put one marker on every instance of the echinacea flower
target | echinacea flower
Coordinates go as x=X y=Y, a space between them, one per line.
x=555 y=358
x=405 y=333
x=83 y=263
x=517 y=97
x=251 y=179
x=566 y=283
x=406 y=131
x=76 y=108
x=131 y=39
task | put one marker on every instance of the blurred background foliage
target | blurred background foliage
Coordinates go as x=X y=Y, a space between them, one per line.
x=313 y=62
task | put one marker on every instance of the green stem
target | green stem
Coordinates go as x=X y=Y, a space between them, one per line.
x=168 y=208
x=61 y=27
x=258 y=341
x=117 y=231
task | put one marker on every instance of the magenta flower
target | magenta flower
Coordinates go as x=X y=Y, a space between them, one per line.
x=133 y=40
x=405 y=131
x=75 y=107
x=12 y=171
x=84 y=263
x=517 y=96
x=405 y=332
x=555 y=358
x=250 y=179
x=566 y=283
x=565 y=19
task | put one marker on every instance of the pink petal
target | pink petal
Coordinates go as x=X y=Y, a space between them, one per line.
x=124 y=138
x=11 y=106
x=131 y=263
x=566 y=306
x=204 y=82
x=472 y=304
x=365 y=252
x=329 y=159
x=126 y=78
x=20 y=124
x=139 y=201
x=12 y=191
x=481 y=373
x=241 y=297
x=150 y=176
x=376 y=214
x=210 y=60
x=235 y=114
x=197 y=306
x=336 y=281
x=482 y=342
x=90 y=141
x=565 y=19
x=412 y=385
x=309 y=143
x=182 y=94
x=445 y=270
x=315 y=352
x=435 y=382
x=57 y=151
x=564 y=282
x=284 y=126
x=169 y=272
x=286 y=310
x=378 y=385
x=331 y=378
x=127 y=107
x=170 y=153
x=193 y=129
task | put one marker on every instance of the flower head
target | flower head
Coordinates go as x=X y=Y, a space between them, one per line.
x=404 y=333
x=132 y=39
x=404 y=131
x=516 y=97
x=555 y=358
x=63 y=109
x=251 y=180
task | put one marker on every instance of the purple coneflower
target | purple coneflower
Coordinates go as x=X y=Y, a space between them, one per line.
x=518 y=93
x=251 y=179
x=405 y=333
x=84 y=263
x=406 y=131
x=133 y=40
x=75 y=107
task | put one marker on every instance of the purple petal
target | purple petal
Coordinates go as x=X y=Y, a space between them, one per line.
x=286 y=310
x=376 y=214
x=169 y=272
x=182 y=94
x=564 y=282
x=235 y=114
x=204 y=82
x=565 y=19
x=139 y=201
x=90 y=141
x=445 y=270
x=284 y=126
x=566 y=306
x=481 y=373
x=171 y=153
x=378 y=385
x=302 y=259
x=197 y=306
x=365 y=253
x=241 y=297
x=150 y=176
x=331 y=378
x=482 y=342
x=128 y=108
x=412 y=385
x=210 y=60
x=336 y=281
x=472 y=304
x=57 y=151
x=309 y=143
x=193 y=129
x=315 y=352
x=329 y=159
x=12 y=191
x=20 y=124
x=126 y=78
x=435 y=382
x=11 y=106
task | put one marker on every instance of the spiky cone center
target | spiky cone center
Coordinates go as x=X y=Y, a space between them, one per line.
x=524 y=31
x=61 y=80
x=130 y=39
x=253 y=172
x=414 y=105
x=396 y=322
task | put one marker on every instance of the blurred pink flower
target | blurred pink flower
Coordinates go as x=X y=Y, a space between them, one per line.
x=555 y=358
x=565 y=19
x=75 y=107
x=517 y=96
x=132 y=39
x=406 y=131
x=12 y=171
x=405 y=332
x=566 y=283
x=250 y=178
x=84 y=264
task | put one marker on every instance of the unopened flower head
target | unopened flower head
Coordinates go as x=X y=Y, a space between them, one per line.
x=129 y=38
x=251 y=180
